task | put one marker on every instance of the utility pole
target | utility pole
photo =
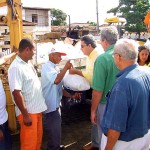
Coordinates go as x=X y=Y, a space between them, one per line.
x=69 y=23
x=97 y=16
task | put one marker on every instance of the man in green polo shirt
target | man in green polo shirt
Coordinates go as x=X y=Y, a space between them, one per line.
x=104 y=76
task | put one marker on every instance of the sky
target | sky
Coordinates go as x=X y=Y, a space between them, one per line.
x=80 y=11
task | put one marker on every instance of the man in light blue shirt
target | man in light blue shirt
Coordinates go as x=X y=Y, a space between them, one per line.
x=51 y=78
x=51 y=90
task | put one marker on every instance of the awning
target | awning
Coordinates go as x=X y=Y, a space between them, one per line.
x=115 y=20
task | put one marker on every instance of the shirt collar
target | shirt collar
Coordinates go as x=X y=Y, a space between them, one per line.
x=20 y=60
x=127 y=69
x=110 y=48
x=52 y=64
x=92 y=53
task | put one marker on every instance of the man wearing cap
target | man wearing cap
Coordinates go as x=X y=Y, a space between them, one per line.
x=51 y=79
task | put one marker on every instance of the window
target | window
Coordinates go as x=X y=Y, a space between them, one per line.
x=35 y=18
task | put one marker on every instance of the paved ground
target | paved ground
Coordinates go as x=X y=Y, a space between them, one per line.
x=76 y=128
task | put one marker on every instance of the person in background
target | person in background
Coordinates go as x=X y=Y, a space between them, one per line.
x=27 y=95
x=5 y=138
x=104 y=75
x=51 y=80
x=126 y=121
x=88 y=47
x=1 y=54
x=143 y=56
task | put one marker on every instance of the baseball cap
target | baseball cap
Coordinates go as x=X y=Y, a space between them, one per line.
x=56 y=50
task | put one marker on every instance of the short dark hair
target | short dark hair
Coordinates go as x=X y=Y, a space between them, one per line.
x=142 y=47
x=24 y=43
x=89 y=39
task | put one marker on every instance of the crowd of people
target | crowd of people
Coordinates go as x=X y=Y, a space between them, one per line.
x=119 y=76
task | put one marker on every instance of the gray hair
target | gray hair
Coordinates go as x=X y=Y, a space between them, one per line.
x=89 y=39
x=110 y=34
x=127 y=48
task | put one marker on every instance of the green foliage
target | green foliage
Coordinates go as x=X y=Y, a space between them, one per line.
x=92 y=23
x=58 y=17
x=134 y=12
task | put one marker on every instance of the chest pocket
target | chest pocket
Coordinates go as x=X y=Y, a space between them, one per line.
x=28 y=77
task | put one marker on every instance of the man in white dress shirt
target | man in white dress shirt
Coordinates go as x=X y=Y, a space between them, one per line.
x=27 y=95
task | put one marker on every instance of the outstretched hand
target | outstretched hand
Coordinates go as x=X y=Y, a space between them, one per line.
x=68 y=65
x=76 y=96
x=72 y=71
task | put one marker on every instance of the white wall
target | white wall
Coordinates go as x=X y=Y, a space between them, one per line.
x=43 y=18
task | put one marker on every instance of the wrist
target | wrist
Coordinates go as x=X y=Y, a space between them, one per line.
x=93 y=111
x=25 y=113
x=65 y=69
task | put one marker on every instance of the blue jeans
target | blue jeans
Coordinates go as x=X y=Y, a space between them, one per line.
x=6 y=143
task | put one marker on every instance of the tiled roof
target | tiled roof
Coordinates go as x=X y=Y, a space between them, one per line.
x=25 y=23
x=37 y=8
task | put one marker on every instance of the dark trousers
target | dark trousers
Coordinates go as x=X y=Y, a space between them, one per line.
x=6 y=143
x=53 y=128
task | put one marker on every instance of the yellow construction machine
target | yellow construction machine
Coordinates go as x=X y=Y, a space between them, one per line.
x=14 y=22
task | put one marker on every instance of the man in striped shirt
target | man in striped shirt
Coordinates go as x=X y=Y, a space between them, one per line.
x=27 y=95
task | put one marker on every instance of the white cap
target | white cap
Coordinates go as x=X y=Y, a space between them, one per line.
x=56 y=50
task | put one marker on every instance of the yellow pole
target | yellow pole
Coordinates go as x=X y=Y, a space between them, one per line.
x=14 y=16
x=14 y=22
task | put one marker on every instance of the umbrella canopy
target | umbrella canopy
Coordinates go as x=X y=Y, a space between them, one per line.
x=115 y=20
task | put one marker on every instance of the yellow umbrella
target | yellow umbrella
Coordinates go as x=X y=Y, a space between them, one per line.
x=115 y=20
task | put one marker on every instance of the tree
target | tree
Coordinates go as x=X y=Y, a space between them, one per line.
x=58 y=17
x=134 y=12
x=92 y=23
